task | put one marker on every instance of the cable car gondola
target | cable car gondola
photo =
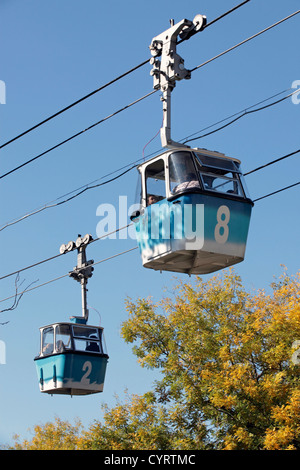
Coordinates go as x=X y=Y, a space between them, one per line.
x=194 y=208
x=72 y=358
x=194 y=213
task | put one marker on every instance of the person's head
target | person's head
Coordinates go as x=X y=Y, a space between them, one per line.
x=152 y=199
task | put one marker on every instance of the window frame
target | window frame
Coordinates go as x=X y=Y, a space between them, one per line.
x=193 y=168
x=164 y=179
x=215 y=190
x=67 y=347
x=44 y=332
x=229 y=167
x=85 y=339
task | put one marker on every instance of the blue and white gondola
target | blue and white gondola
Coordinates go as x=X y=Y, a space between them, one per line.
x=194 y=212
x=72 y=358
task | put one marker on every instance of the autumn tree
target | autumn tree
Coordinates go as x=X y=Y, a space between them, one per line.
x=225 y=357
x=229 y=372
x=59 y=435
x=139 y=423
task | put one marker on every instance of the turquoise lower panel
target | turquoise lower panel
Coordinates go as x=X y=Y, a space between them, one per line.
x=196 y=223
x=180 y=219
x=71 y=373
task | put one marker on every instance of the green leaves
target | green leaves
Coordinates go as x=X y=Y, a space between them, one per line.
x=224 y=353
x=229 y=380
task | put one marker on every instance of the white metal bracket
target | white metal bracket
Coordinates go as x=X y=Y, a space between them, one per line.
x=170 y=68
x=84 y=270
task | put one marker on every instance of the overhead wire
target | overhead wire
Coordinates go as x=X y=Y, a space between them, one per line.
x=128 y=225
x=133 y=165
x=80 y=191
x=65 y=275
x=245 y=41
x=66 y=108
x=145 y=96
x=226 y=13
x=219 y=55
x=223 y=15
x=244 y=113
x=233 y=115
x=97 y=90
x=276 y=192
x=77 y=134
x=61 y=254
x=121 y=253
x=272 y=162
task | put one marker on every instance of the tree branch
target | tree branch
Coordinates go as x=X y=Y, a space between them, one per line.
x=18 y=296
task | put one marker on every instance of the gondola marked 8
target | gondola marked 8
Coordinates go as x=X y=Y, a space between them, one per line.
x=194 y=212
x=222 y=224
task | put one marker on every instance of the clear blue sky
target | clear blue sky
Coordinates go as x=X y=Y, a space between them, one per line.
x=53 y=53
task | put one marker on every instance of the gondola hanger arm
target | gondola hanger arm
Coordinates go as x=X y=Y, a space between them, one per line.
x=170 y=67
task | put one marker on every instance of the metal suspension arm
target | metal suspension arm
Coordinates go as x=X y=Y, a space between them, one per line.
x=83 y=271
x=171 y=68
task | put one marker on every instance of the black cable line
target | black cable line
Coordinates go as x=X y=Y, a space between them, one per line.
x=94 y=186
x=122 y=228
x=62 y=202
x=31 y=266
x=225 y=14
x=79 y=190
x=107 y=84
x=65 y=275
x=84 y=188
x=75 y=103
x=244 y=113
x=77 y=134
x=218 y=18
x=261 y=167
x=245 y=40
x=272 y=162
x=118 y=254
x=184 y=139
x=276 y=192
x=60 y=254
x=154 y=91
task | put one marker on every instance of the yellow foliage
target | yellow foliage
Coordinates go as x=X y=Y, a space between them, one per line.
x=228 y=378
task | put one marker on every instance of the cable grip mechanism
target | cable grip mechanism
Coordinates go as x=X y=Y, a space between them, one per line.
x=170 y=67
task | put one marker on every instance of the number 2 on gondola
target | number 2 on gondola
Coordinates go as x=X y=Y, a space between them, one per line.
x=88 y=367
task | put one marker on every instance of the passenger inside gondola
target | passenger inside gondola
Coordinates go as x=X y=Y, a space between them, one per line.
x=182 y=172
x=63 y=338
x=47 y=341
x=93 y=345
x=152 y=199
x=189 y=183
x=155 y=182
